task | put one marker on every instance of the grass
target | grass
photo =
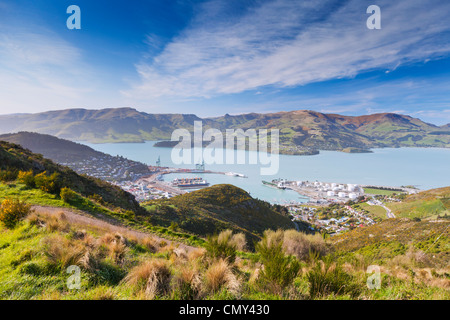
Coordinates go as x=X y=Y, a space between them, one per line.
x=118 y=265
x=87 y=206
x=375 y=211
x=419 y=208
x=382 y=192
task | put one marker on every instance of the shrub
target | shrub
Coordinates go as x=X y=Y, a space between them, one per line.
x=68 y=195
x=27 y=178
x=97 y=198
x=12 y=211
x=221 y=247
x=48 y=183
x=8 y=175
x=279 y=269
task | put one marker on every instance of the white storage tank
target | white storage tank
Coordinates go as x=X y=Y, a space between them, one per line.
x=342 y=195
x=351 y=187
x=331 y=194
x=352 y=196
x=333 y=185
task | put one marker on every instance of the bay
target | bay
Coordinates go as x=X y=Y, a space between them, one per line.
x=425 y=168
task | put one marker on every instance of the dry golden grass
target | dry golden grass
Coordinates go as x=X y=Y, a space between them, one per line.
x=61 y=252
x=301 y=244
x=219 y=275
x=150 y=278
x=188 y=283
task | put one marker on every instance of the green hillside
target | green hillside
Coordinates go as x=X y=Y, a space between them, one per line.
x=425 y=204
x=14 y=158
x=390 y=238
x=58 y=150
x=216 y=208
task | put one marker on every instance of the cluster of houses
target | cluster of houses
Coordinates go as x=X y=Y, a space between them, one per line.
x=350 y=219
x=109 y=168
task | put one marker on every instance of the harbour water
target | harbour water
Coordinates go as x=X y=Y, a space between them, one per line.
x=424 y=168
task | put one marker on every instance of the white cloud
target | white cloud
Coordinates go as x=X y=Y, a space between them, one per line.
x=40 y=70
x=287 y=43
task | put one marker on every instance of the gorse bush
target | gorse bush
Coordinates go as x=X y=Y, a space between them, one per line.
x=68 y=195
x=12 y=211
x=8 y=175
x=48 y=183
x=279 y=269
x=27 y=178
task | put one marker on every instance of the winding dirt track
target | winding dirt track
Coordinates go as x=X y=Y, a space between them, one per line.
x=77 y=218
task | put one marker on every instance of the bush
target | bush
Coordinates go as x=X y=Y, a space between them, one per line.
x=68 y=195
x=27 y=178
x=8 y=175
x=50 y=184
x=279 y=269
x=221 y=246
x=12 y=211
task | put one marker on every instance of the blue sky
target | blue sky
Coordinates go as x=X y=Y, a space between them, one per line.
x=227 y=56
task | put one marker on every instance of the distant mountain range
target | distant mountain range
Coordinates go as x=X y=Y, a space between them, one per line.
x=303 y=129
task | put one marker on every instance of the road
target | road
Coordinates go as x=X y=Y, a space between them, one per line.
x=388 y=212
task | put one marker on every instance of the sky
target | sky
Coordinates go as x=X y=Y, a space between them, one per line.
x=213 y=57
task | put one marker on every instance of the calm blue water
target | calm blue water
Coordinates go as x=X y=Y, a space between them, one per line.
x=424 y=168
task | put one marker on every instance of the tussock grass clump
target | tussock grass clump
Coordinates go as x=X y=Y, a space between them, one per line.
x=224 y=245
x=301 y=244
x=116 y=245
x=151 y=278
x=279 y=269
x=219 y=275
x=328 y=277
x=61 y=252
x=187 y=284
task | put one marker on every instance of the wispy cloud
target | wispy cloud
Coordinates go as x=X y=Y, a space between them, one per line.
x=285 y=43
x=38 y=69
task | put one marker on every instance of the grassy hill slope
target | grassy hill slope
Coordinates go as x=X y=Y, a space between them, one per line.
x=425 y=204
x=58 y=150
x=217 y=208
x=396 y=237
x=14 y=158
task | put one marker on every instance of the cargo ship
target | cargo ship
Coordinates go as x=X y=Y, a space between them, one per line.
x=190 y=183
